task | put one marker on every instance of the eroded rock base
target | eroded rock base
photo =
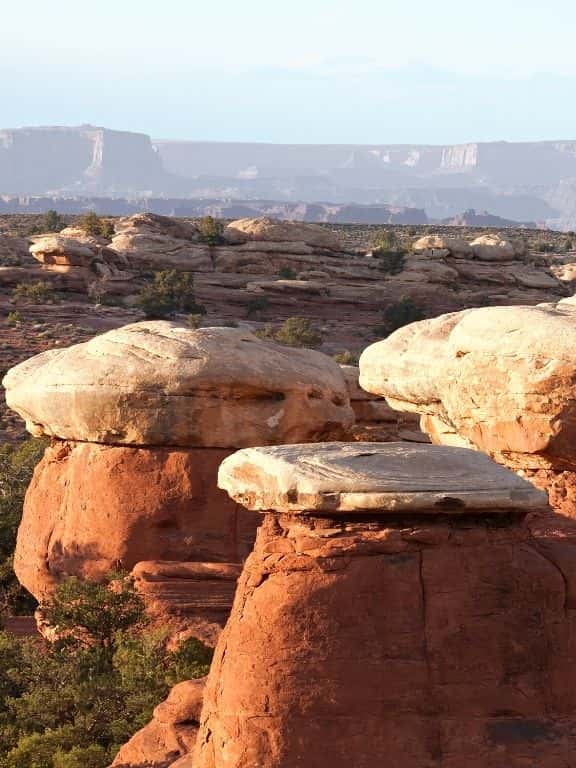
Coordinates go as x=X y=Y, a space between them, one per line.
x=414 y=642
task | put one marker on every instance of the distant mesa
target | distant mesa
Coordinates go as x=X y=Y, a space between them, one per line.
x=520 y=183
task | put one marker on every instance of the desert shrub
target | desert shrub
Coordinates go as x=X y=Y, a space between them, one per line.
x=541 y=246
x=194 y=321
x=346 y=358
x=38 y=292
x=96 y=226
x=387 y=248
x=169 y=293
x=52 y=222
x=14 y=318
x=397 y=315
x=294 y=332
x=73 y=703
x=210 y=230
x=287 y=273
x=256 y=307
x=16 y=468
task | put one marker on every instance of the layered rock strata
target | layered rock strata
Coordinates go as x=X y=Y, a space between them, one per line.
x=396 y=610
x=142 y=417
x=498 y=379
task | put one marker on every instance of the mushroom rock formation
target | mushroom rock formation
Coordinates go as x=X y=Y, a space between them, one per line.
x=171 y=733
x=143 y=416
x=498 y=379
x=83 y=260
x=375 y=419
x=396 y=610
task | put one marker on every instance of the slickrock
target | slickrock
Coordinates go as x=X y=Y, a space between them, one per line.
x=497 y=379
x=387 y=616
x=160 y=383
x=170 y=735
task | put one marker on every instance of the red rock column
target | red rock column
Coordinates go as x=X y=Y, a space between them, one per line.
x=395 y=611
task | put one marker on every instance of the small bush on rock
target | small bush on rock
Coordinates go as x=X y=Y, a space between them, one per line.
x=171 y=292
x=287 y=273
x=346 y=358
x=294 y=332
x=95 y=226
x=387 y=248
x=38 y=292
x=211 y=231
x=256 y=307
x=397 y=315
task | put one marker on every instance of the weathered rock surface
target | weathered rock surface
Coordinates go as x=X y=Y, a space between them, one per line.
x=160 y=383
x=195 y=597
x=391 y=638
x=94 y=508
x=494 y=248
x=170 y=735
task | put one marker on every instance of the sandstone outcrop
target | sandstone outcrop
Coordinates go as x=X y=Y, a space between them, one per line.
x=160 y=383
x=170 y=735
x=387 y=616
x=498 y=379
x=152 y=242
x=85 y=261
x=276 y=231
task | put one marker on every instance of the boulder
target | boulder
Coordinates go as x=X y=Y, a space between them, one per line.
x=265 y=229
x=160 y=383
x=456 y=246
x=171 y=733
x=91 y=509
x=390 y=603
x=493 y=248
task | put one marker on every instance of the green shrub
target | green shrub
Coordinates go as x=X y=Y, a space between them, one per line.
x=52 y=222
x=95 y=226
x=287 y=273
x=211 y=231
x=397 y=315
x=38 y=292
x=346 y=358
x=294 y=332
x=73 y=703
x=256 y=307
x=194 y=321
x=14 y=318
x=16 y=467
x=171 y=292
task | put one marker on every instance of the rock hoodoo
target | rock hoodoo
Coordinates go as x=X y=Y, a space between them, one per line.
x=143 y=416
x=499 y=379
x=395 y=609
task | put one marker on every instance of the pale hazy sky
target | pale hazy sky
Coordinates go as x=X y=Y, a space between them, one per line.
x=373 y=71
